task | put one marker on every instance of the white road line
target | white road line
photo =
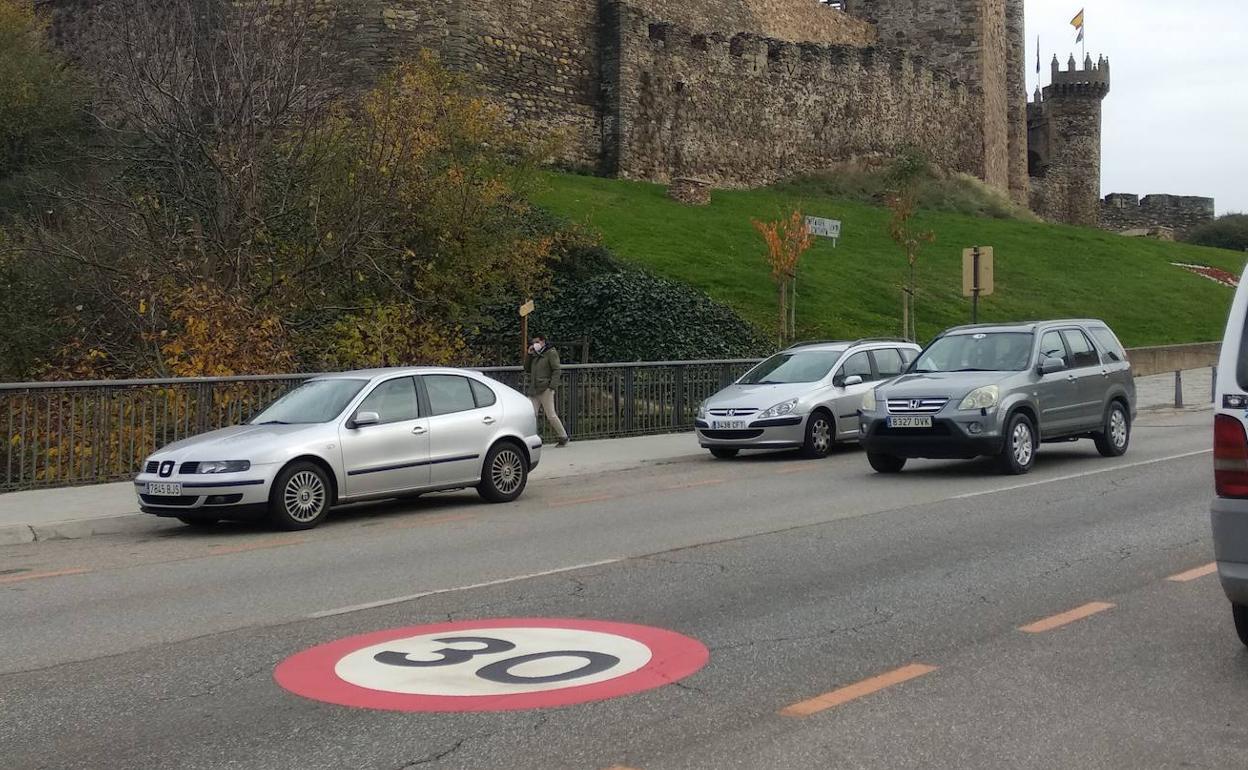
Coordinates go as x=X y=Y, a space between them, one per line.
x=488 y=583
x=1038 y=482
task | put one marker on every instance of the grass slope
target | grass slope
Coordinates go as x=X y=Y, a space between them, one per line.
x=1042 y=271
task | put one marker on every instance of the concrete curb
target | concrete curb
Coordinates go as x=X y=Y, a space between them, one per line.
x=15 y=534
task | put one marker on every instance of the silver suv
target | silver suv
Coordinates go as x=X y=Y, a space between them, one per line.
x=804 y=397
x=1001 y=390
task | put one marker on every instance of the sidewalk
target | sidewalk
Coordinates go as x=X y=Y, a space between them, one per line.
x=74 y=512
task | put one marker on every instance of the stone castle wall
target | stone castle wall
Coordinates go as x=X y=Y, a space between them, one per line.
x=746 y=110
x=1064 y=128
x=1182 y=213
x=971 y=39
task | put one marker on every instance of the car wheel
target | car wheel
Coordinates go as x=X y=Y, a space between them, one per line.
x=200 y=522
x=819 y=435
x=1240 y=613
x=1112 y=441
x=723 y=453
x=300 y=497
x=883 y=463
x=1018 y=453
x=504 y=474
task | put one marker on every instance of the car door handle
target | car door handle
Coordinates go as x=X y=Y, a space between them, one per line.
x=419 y=430
x=487 y=420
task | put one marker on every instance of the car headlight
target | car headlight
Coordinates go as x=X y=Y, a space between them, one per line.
x=981 y=398
x=702 y=411
x=868 y=401
x=779 y=410
x=224 y=466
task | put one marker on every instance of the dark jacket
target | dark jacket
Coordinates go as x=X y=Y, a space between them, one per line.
x=543 y=369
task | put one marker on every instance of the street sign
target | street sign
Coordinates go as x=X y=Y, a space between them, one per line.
x=973 y=280
x=501 y=664
x=527 y=308
x=825 y=228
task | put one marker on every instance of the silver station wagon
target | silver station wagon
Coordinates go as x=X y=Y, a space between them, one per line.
x=805 y=397
x=347 y=437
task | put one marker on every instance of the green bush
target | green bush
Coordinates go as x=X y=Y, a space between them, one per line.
x=1225 y=232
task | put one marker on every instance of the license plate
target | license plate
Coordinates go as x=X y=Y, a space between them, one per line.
x=909 y=422
x=164 y=488
x=727 y=424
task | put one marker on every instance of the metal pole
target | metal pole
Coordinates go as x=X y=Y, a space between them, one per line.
x=1213 y=386
x=975 y=286
x=1178 y=389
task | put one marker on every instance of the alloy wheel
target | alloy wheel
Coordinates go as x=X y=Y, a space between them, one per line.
x=820 y=435
x=1021 y=444
x=507 y=471
x=304 y=496
x=1118 y=428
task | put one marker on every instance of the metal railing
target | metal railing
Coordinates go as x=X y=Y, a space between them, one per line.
x=69 y=433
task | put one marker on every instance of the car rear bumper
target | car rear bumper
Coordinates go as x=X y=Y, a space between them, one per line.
x=1230 y=546
x=778 y=433
x=947 y=439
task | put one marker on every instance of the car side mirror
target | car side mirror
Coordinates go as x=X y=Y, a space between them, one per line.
x=1050 y=365
x=365 y=418
x=852 y=379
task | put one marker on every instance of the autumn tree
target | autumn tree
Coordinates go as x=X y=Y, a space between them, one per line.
x=902 y=203
x=786 y=241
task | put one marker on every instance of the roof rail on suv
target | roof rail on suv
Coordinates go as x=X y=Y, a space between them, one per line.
x=866 y=340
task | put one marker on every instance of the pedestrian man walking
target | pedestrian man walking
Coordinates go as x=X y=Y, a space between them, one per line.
x=541 y=362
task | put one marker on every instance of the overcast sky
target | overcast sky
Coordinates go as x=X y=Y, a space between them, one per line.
x=1176 y=118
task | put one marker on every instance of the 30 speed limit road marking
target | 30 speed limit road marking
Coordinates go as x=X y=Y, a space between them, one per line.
x=501 y=664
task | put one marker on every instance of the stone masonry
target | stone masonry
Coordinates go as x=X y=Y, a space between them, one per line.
x=1064 y=143
x=1180 y=213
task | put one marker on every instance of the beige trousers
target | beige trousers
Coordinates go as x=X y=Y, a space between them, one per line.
x=546 y=403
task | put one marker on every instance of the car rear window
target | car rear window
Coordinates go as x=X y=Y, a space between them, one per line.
x=1241 y=363
x=1111 y=347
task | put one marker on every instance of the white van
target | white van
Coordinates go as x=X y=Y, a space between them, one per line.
x=1230 y=462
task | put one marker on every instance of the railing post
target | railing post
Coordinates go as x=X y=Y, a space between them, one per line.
x=678 y=397
x=574 y=403
x=1213 y=386
x=630 y=395
x=1178 y=389
x=201 y=398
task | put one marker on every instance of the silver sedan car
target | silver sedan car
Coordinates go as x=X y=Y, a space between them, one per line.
x=805 y=397
x=347 y=437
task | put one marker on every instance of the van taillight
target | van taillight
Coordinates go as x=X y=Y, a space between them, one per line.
x=1230 y=457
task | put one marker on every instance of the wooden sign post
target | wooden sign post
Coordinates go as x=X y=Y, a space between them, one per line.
x=977 y=276
x=525 y=310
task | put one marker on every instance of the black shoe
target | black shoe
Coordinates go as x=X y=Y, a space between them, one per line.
x=563 y=441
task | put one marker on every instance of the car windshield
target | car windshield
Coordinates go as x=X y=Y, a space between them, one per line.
x=785 y=368
x=980 y=352
x=315 y=401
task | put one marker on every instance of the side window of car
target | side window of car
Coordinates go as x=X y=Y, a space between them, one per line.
x=908 y=355
x=1082 y=353
x=887 y=362
x=449 y=393
x=393 y=401
x=857 y=364
x=1051 y=346
x=482 y=393
x=1110 y=346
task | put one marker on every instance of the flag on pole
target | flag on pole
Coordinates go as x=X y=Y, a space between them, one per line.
x=1077 y=23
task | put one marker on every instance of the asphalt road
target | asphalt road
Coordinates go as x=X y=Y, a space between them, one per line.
x=801 y=577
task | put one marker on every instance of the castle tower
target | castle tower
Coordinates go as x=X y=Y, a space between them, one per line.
x=981 y=43
x=1064 y=143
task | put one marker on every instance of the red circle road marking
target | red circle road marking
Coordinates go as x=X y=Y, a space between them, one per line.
x=312 y=673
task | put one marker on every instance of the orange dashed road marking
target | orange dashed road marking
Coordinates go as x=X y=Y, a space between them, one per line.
x=427 y=520
x=1066 y=618
x=583 y=500
x=38 y=575
x=857 y=690
x=692 y=485
x=218 y=550
x=1192 y=574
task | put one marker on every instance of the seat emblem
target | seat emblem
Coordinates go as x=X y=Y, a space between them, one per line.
x=166 y=469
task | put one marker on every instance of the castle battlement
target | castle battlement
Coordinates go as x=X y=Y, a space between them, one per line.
x=1125 y=211
x=758 y=55
x=1090 y=80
